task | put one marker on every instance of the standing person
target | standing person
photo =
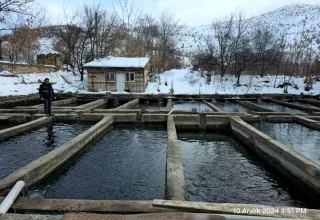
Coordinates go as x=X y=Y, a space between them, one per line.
x=46 y=95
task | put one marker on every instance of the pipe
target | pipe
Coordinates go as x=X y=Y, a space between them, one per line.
x=11 y=197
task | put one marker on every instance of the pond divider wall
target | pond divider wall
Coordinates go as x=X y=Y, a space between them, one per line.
x=62 y=102
x=129 y=105
x=310 y=123
x=91 y=106
x=16 y=117
x=213 y=107
x=187 y=121
x=295 y=106
x=154 y=118
x=169 y=105
x=22 y=111
x=40 y=168
x=175 y=182
x=19 y=129
x=313 y=102
x=303 y=172
x=73 y=205
x=255 y=107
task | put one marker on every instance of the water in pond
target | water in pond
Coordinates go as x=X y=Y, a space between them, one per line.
x=189 y=105
x=78 y=102
x=150 y=106
x=301 y=139
x=219 y=169
x=277 y=107
x=5 y=125
x=126 y=164
x=20 y=150
x=230 y=106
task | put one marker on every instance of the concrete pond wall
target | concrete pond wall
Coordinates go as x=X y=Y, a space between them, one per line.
x=303 y=172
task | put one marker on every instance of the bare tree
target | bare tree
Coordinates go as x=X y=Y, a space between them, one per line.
x=280 y=47
x=226 y=34
x=129 y=14
x=22 y=42
x=14 y=7
x=169 y=28
x=146 y=33
x=264 y=43
x=89 y=34
x=243 y=56
x=11 y=12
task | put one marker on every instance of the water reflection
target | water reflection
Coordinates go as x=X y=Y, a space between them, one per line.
x=20 y=150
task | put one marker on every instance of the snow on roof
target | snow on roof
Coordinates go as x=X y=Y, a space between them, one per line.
x=124 y=62
x=46 y=52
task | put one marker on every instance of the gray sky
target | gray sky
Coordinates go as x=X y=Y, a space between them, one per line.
x=189 y=12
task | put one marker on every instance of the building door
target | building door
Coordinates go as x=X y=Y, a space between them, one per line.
x=121 y=82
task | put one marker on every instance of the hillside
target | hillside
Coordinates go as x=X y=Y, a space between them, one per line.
x=288 y=19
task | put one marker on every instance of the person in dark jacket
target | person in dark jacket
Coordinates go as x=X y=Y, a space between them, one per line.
x=46 y=95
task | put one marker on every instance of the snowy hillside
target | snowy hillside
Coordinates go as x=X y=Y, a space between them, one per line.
x=288 y=19
x=46 y=45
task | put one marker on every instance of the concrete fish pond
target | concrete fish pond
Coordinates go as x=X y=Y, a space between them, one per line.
x=151 y=105
x=219 y=169
x=137 y=154
x=128 y=163
x=230 y=106
x=301 y=139
x=189 y=105
x=278 y=108
x=20 y=150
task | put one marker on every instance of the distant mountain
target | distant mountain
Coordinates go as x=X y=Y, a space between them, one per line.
x=288 y=19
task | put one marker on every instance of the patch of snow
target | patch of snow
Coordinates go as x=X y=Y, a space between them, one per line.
x=8 y=62
x=185 y=81
x=25 y=84
x=46 y=46
x=6 y=73
x=124 y=62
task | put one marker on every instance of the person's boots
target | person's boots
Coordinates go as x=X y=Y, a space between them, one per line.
x=46 y=112
x=50 y=114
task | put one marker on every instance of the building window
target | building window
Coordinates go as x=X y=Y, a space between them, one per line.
x=130 y=77
x=110 y=77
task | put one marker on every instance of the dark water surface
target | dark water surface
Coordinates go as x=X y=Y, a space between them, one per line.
x=150 y=105
x=277 y=107
x=299 y=138
x=230 y=106
x=219 y=169
x=126 y=164
x=5 y=125
x=189 y=105
x=20 y=150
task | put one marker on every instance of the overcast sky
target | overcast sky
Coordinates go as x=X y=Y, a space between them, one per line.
x=189 y=12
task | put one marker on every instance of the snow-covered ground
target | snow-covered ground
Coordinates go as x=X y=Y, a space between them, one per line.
x=184 y=81
x=25 y=84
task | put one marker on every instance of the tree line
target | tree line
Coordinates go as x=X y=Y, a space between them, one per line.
x=235 y=47
x=92 y=32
